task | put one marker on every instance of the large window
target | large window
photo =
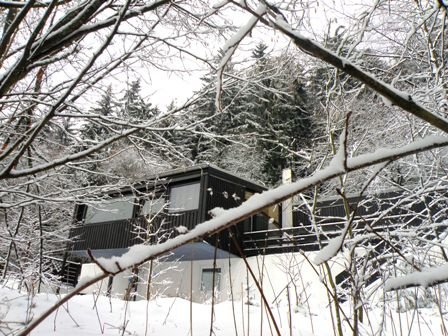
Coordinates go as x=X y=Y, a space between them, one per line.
x=116 y=209
x=184 y=197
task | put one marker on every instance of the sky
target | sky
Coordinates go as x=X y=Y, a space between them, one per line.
x=162 y=87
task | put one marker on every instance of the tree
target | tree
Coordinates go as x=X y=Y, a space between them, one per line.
x=266 y=114
x=54 y=145
x=282 y=108
x=133 y=107
x=95 y=41
x=95 y=131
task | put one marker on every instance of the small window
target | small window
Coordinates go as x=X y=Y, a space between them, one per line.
x=184 y=197
x=117 y=209
x=153 y=206
x=207 y=279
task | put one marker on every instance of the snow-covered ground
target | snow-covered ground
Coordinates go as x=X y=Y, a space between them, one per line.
x=99 y=315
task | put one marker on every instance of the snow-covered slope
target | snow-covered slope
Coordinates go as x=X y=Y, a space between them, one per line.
x=99 y=315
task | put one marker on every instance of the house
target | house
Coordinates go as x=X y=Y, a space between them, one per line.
x=171 y=203
x=162 y=207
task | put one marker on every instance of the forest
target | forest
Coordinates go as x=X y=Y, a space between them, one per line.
x=351 y=96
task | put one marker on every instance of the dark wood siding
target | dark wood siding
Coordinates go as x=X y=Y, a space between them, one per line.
x=217 y=189
x=224 y=194
x=168 y=224
x=125 y=233
x=109 y=235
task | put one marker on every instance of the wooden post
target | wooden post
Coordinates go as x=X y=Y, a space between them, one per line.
x=287 y=205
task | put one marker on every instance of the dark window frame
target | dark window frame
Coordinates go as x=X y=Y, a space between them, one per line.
x=170 y=208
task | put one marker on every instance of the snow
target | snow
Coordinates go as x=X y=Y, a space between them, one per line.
x=378 y=155
x=243 y=31
x=99 y=315
x=424 y=278
x=339 y=160
x=329 y=251
x=333 y=247
x=215 y=212
x=181 y=229
x=220 y=4
x=167 y=316
x=386 y=101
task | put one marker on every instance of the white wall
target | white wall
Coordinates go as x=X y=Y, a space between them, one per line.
x=174 y=279
x=89 y=271
x=278 y=274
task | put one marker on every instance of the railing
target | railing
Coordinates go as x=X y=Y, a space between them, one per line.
x=65 y=270
x=306 y=238
x=278 y=241
x=125 y=233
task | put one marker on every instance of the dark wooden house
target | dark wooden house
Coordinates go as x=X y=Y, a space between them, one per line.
x=163 y=206
x=168 y=204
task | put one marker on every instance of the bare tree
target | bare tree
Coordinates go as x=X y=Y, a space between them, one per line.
x=56 y=56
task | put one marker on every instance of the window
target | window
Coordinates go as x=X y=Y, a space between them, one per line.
x=207 y=279
x=117 y=209
x=153 y=206
x=184 y=197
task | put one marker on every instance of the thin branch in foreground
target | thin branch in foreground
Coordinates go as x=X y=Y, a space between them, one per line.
x=426 y=278
x=395 y=96
x=139 y=254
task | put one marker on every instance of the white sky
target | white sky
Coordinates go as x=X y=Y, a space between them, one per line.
x=161 y=87
x=165 y=87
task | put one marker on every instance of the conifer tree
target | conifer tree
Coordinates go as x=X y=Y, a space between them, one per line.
x=133 y=107
x=223 y=125
x=98 y=129
x=268 y=115
x=280 y=108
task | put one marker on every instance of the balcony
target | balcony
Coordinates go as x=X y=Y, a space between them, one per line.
x=128 y=232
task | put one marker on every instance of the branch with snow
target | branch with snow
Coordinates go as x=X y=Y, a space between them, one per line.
x=139 y=254
x=429 y=277
x=329 y=251
x=392 y=95
x=230 y=48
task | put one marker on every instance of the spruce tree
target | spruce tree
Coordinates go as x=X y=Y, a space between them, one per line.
x=279 y=111
x=133 y=107
x=97 y=130
x=223 y=125
x=266 y=117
